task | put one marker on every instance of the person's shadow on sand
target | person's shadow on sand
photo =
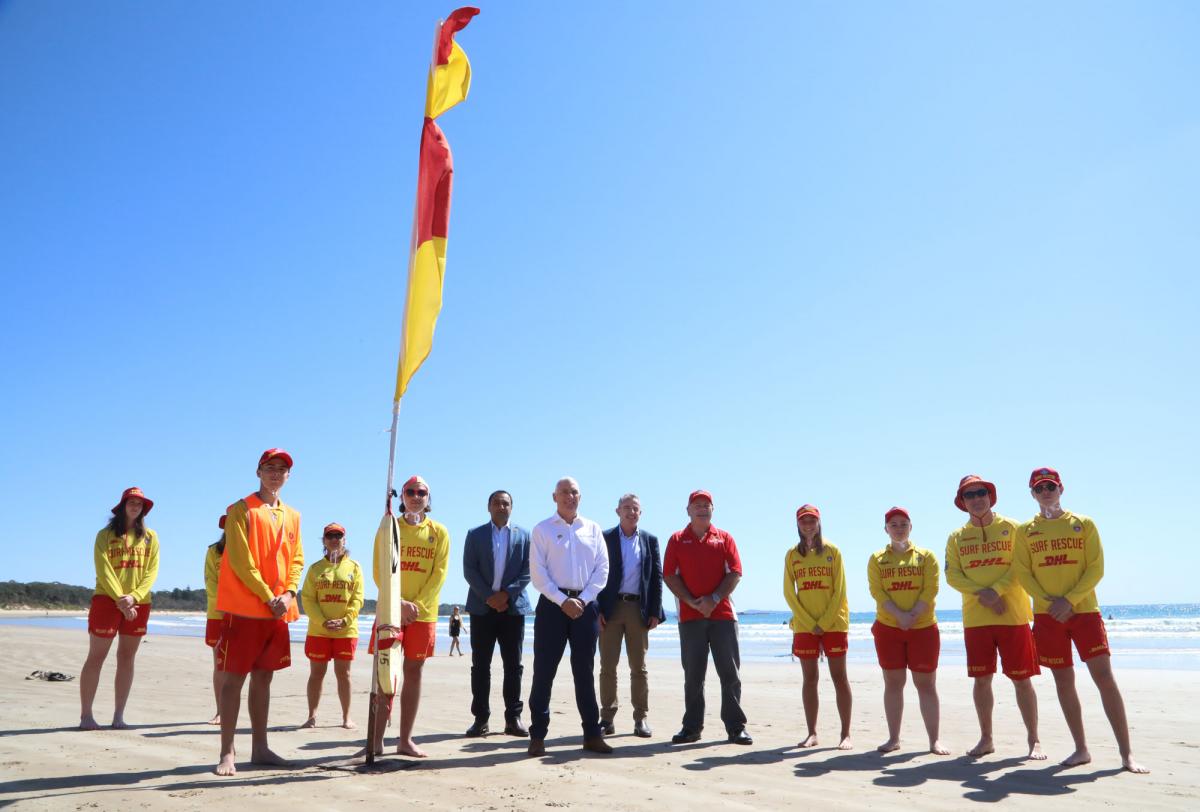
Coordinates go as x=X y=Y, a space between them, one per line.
x=972 y=774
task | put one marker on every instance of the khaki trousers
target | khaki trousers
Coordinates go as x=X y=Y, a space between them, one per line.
x=625 y=623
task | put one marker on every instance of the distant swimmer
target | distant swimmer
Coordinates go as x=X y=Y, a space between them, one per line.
x=814 y=586
x=424 y=562
x=1060 y=561
x=904 y=583
x=996 y=610
x=455 y=630
x=212 y=623
x=256 y=591
x=332 y=597
x=126 y=557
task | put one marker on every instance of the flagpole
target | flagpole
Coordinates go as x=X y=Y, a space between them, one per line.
x=376 y=689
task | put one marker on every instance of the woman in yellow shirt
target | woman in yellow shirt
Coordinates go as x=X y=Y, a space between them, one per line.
x=332 y=597
x=814 y=585
x=212 y=622
x=126 y=557
x=904 y=582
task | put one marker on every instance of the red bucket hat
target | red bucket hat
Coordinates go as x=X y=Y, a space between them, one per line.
x=1044 y=475
x=896 y=511
x=807 y=510
x=129 y=494
x=967 y=482
x=221 y=522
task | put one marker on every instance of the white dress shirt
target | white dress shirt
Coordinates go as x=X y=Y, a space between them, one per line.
x=568 y=556
x=631 y=563
x=500 y=536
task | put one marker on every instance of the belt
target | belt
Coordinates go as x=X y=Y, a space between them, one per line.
x=627 y=596
x=572 y=593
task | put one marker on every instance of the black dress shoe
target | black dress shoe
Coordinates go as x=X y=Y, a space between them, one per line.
x=480 y=728
x=685 y=736
x=607 y=729
x=641 y=729
x=537 y=747
x=514 y=728
x=741 y=737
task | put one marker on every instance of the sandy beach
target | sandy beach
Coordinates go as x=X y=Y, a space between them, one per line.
x=166 y=760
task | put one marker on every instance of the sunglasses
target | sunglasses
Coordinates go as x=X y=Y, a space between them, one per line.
x=335 y=536
x=416 y=492
x=1046 y=486
x=975 y=494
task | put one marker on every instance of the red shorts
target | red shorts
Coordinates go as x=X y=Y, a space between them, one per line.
x=212 y=632
x=416 y=640
x=1018 y=654
x=805 y=645
x=1054 y=639
x=914 y=649
x=253 y=644
x=106 y=620
x=324 y=649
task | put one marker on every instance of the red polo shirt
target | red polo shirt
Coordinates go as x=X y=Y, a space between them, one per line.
x=702 y=563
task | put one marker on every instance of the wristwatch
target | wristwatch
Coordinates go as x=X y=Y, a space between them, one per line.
x=716 y=596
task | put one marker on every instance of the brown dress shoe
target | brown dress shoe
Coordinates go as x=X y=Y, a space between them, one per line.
x=597 y=744
x=537 y=747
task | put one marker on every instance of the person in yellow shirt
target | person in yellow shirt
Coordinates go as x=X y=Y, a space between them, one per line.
x=256 y=591
x=814 y=585
x=1059 y=561
x=213 y=615
x=126 y=557
x=996 y=612
x=424 y=562
x=904 y=582
x=332 y=597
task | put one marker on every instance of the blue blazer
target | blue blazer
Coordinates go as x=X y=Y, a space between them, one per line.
x=651 y=582
x=479 y=568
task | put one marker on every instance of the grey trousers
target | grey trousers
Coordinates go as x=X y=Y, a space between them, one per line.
x=696 y=639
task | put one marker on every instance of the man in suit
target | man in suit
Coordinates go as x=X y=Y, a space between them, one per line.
x=496 y=566
x=630 y=606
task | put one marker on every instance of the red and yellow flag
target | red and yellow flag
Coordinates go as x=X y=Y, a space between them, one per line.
x=449 y=81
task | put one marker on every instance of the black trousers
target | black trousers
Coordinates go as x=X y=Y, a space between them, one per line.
x=486 y=631
x=552 y=631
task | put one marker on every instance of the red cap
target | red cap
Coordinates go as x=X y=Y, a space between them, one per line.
x=333 y=527
x=896 y=511
x=130 y=493
x=966 y=482
x=272 y=453
x=1044 y=475
x=696 y=495
x=221 y=522
x=807 y=510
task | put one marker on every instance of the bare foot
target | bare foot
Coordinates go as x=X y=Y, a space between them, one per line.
x=889 y=745
x=349 y=724
x=936 y=748
x=216 y=720
x=409 y=748
x=1077 y=758
x=119 y=724
x=809 y=741
x=1035 y=752
x=226 y=766
x=1132 y=766
x=88 y=723
x=846 y=744
x=312 y=722
x=268 y=758
x=984 y=747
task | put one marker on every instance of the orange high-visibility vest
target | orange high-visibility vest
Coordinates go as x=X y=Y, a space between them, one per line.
x=272 y=551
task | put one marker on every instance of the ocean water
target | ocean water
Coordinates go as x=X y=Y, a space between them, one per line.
x=1165 y=636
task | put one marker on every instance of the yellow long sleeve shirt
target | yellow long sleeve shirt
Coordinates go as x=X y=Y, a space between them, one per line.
x=424 y=562
x=979 y=558
x=814 y=586
x=333 y=592
x=1060 y=558
x=212 y=571
x=126 y=565
x=904 y=579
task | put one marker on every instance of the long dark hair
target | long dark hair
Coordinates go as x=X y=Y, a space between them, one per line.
x=818 y=542
x=119 y=524
x=220 y=545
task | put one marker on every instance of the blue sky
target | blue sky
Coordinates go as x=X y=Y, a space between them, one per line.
x=830 y=253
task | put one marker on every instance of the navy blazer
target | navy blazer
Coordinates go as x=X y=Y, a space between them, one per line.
x=479 y=568
x=651 y=580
